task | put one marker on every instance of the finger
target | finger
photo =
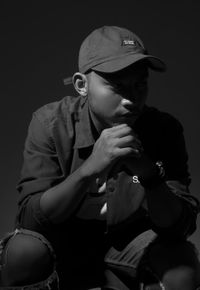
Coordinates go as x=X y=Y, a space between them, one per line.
x=126 y=141
x=116 y=130
x=131 y=141
x=116 y=127
x=128 y=151
x=123 y=131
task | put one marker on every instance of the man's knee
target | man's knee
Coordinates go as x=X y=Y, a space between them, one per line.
x=26 y=260
x=182 y=278
x=175 y=264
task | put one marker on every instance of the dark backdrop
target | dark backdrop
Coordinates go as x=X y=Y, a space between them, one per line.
x=39 y=47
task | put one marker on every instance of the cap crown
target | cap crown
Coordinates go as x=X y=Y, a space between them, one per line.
x=108 y=43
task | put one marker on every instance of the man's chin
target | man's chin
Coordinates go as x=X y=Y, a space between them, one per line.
x=130 y=121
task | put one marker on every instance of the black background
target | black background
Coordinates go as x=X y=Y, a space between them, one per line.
x=39 y=47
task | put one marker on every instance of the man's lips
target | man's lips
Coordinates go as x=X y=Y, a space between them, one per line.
x=132 y=113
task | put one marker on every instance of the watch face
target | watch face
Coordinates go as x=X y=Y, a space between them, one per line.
x=161 y=169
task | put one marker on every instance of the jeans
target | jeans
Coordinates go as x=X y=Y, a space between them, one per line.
x=51 y=283
x=124 y=269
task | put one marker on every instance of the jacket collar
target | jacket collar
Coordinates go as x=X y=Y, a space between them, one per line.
x=84 y=135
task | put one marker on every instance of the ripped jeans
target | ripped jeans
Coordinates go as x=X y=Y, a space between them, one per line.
x=50 y=283
x=125 y=269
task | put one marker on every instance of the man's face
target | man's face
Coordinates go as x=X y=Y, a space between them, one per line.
x=117 y=98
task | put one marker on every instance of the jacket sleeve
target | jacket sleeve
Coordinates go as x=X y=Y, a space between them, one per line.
x=175 y=159
x=40 y=171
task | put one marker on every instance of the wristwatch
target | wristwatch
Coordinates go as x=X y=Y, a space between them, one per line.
x=156 y=179
x=160 y=168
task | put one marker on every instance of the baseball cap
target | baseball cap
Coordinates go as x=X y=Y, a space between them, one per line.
x=111 y=48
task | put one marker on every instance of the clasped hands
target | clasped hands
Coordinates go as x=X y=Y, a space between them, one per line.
x=119 y=146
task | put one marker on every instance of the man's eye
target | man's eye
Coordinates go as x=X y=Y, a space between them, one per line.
x=117 y=88
x=114 y=86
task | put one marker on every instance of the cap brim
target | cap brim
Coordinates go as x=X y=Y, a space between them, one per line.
x=67 y=81
x=114 y=65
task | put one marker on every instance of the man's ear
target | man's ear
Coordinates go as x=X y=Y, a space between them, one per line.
x=80 y=83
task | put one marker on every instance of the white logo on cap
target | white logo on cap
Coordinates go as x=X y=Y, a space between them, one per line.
x=129 y=42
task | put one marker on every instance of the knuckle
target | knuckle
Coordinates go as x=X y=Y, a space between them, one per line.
x=129 y=129
x=103 y=133
x=131 y=138
x=106 y=133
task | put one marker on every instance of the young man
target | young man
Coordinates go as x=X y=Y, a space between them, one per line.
x=104 y=185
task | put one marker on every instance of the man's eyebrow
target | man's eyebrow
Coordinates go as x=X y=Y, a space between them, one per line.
x=117 y=78
x=108 y=78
